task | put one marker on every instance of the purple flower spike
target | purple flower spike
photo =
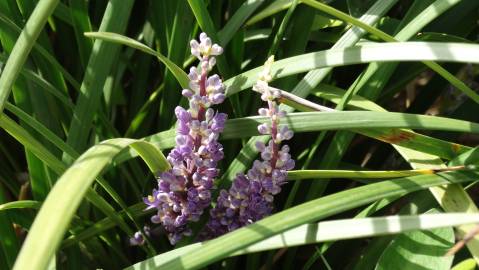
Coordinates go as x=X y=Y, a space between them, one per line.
x=184 y=191
x=250 y=197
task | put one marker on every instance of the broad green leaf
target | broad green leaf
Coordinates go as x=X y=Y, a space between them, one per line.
x=152 y=156
x=419 y=249
x=137 y=210
x=470 y=157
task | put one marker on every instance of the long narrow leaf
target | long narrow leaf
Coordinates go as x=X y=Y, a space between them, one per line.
x=62 y=202
x=370 y=52
x=304 y=213
x=329 y=231
x=179 y=74
x=23 y=46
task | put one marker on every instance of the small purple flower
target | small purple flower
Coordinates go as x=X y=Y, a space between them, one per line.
x=184 y=191
x=250 y=197
x=138 y=239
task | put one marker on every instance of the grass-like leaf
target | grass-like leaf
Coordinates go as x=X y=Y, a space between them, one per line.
x=304 y=213
x=370 y=52
x=179 y=74
x=331 y=230
x=23 y=46
x=58 y=209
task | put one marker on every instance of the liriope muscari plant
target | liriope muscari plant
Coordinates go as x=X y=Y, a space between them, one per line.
x=184 y=191
x=250 y=197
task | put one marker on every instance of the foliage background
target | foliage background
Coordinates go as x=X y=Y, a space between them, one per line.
x=74 y=91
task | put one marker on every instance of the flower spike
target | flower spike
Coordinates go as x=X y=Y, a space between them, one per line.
x=250 y=198
x=184 y=191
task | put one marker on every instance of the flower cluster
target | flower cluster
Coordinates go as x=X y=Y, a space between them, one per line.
x=184 y=191
x=250 y=197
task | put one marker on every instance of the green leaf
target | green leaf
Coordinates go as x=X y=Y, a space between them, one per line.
x=20 y=204
x=43 y=52
x=384 y=36
x=23 y=46
x=307 y=212
x=206 y=23
x=152 y=156
x=315 y=174
x=9 y=244
x=61 y=203
x=416 y=141
x=136 y=210
x=331 y=230
x=236 y=21
x=99 y=66
x=179 y=74
x=419 y=250
x=468 y=264
x=339 y=120
x=273 y=8
x=368 y=52
x=314 y=121
x=81 y=23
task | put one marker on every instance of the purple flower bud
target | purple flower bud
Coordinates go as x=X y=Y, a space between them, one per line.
x=263 y=112
x=187 y=93
x=209 y=114
x=218 y=98
x=216 y=50
x=263 y=129
x=195 y=48
x=137 y=239
x=211 y=62
x=156 y=219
